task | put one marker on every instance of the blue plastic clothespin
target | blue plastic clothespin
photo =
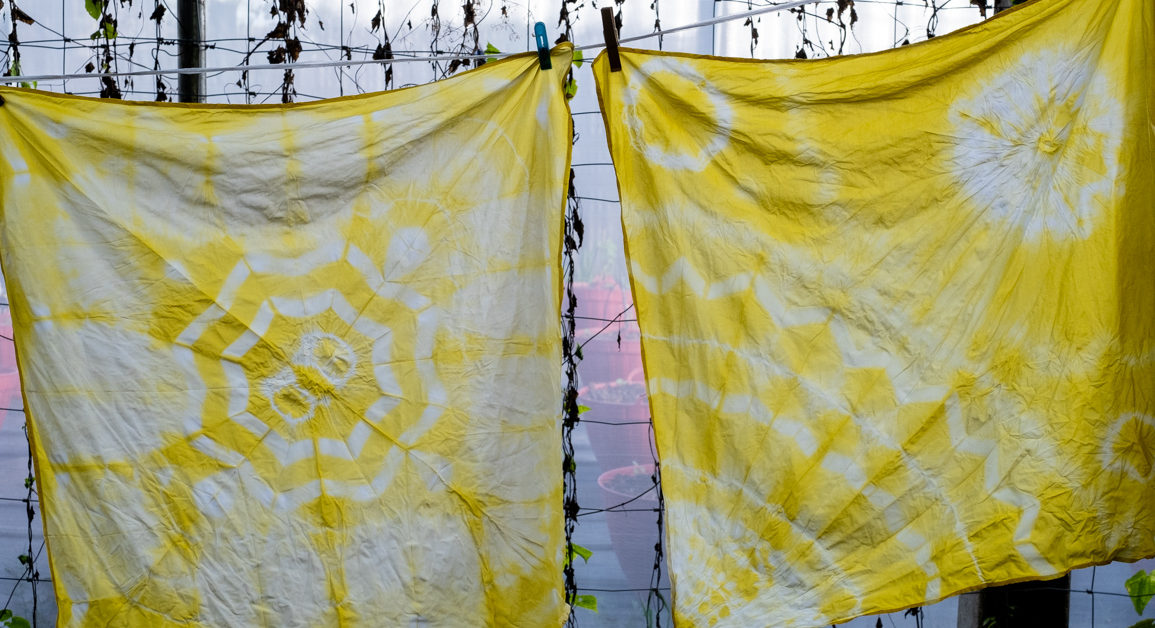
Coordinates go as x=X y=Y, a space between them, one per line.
x=542 y=46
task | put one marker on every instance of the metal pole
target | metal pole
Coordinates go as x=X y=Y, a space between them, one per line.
x=191 y=20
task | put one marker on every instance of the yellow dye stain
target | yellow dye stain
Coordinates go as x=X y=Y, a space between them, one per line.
x=244 y=364
x=894 y=324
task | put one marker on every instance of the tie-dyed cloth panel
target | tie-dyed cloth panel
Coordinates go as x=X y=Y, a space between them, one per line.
x=295 y=365
x=896 y=311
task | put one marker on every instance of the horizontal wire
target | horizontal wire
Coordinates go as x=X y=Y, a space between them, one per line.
x=246 y=68
x=600 y=319
x=714 y=21
x=592 y=421
x=359 y=62
x=621 y=590
x=585 y=512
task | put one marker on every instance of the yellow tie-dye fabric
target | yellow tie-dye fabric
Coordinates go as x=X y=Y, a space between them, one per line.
x=295 y=365
x=896 y=311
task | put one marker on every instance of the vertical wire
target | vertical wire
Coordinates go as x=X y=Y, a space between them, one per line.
x=63 y=46
x=341 y=50
x=658 y=21
x=574 y=235
x=655 y=596
x=894 y=36
x=571 y=355
x=33 y=574
x=1092 y=592
x=248 y=44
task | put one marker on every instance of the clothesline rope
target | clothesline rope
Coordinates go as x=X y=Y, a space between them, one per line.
x=358 y=62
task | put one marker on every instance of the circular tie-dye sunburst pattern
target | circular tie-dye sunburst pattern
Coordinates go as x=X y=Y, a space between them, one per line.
x=295 y=366
x=313 y=387
x=893 y=329
x=1037 y=146
x=691 y=144
x=1130 y=446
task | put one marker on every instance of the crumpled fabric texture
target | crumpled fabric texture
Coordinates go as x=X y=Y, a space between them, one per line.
x=896 y=311
x=295 y=365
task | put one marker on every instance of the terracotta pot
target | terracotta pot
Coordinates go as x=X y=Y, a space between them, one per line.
x=603 y=360
x=633 y=533
x=602 y=298
x=618 y=422
x=9 y=377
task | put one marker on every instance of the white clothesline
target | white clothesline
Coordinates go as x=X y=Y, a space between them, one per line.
x=334 y=64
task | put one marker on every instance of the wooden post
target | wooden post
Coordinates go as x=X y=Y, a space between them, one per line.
x=1038 y=603
x=191 y=51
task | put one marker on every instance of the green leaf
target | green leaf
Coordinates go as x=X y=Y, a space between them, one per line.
x=587 y=601
x=490 y=49
x=578 y=58
x=5 y=615
x=570 y=88
x=94 y=8
x=1141 y=586
x=28 y=481
x=19 y=622
x=109 y=30
x=583 y=409
x=24 y=559
x=1144 y=623
x=583 y=552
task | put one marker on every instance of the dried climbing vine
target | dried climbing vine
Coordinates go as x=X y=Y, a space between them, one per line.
x=571 y=354
x=290 y=15
x=157 y=16
x=17 y=16
x=384 y=48
x=105 y=47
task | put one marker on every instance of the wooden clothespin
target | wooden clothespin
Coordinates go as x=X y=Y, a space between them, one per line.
x=610 y=31
x=542 y=46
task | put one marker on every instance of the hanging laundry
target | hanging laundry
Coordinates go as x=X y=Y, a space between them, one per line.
x=896 y=311
x=295 y=365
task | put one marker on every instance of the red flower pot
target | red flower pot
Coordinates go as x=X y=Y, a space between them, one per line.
x=9 y=377
x=633 y=532
x=603 y=359
x=618 y=422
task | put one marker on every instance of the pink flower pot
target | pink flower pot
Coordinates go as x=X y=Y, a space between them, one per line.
x=618 y=422
x=603 y=360
x=633 y=532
